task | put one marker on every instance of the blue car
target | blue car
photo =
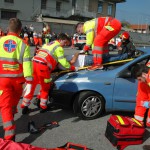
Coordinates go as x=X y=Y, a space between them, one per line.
x=90 y=93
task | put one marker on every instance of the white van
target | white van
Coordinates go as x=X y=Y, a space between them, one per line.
x=80 y=41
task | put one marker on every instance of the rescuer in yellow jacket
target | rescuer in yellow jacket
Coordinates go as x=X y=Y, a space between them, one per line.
x=44 y=62
x=99 y=32
x=15 y=69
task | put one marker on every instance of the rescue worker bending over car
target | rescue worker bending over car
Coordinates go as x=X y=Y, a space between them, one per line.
x=99 y=32
x=15 y=69
x=126 y=50
x=44 y=62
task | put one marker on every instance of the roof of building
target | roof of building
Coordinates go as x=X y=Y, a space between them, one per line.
x=54 y=20
x=139 y=26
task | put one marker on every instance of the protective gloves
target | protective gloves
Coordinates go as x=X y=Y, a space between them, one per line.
x=82 y=52
x=146 y=104
x=73 y=68
x=86 y=48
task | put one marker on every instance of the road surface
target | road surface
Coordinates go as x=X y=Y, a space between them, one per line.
x=71 y=129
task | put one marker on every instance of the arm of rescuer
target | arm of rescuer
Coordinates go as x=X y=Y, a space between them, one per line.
x=27 y=65
x=74 y=58
x=89 y=31
x=63 y=63
x=132 y=49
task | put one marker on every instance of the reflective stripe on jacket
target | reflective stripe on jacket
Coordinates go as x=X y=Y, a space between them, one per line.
x=15 y=58
x=52 y=54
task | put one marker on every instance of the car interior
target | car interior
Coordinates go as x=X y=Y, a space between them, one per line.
x=116 y=64
x=127 y=72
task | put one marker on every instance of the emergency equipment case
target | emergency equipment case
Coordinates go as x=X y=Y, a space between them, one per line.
x=123 y=131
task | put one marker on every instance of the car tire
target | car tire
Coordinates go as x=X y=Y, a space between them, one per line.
x=89 y=105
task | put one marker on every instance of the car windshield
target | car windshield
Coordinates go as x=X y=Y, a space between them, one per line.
x=116 y=64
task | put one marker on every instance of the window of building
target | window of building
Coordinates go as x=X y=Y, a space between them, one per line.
x=9 y=1
x=100 y=6
x=8 y=14
x=110 y=8
x=58 y=6
x=43 y=4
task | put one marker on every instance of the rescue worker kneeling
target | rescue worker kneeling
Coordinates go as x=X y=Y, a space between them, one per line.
x=142 y=74
x=44 y=62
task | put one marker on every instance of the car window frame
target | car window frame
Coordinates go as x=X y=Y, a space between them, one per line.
x=126 y=72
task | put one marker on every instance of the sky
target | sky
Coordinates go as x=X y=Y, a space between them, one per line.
x=134 y=11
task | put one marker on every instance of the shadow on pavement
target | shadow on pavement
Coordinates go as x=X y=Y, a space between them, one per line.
x=40 y=119
x=147 y=135
x=1 y=132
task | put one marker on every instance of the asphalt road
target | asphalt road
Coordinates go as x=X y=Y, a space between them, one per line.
x=71 y=129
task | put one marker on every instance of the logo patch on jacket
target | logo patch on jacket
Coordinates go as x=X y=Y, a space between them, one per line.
x=10 y=46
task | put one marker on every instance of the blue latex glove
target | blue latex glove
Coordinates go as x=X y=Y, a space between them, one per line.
x=146 y=104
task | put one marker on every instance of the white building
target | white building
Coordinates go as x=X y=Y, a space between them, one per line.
x=61 y=14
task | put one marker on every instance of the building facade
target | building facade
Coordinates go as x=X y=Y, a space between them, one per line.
x=141 y=28
x=62 y=14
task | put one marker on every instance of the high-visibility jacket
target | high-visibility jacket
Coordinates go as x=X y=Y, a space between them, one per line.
x=26 y=40
x=143 y=94
x=52 y=54
x=36 y=40
x=93 y=26
x=15 y=58
x=40 y=41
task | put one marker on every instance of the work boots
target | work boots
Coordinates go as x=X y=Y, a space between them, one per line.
x=25 y=110
x=95 y=67
x=43 y=108
x=36 y=102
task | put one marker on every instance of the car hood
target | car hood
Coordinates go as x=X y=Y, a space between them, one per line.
x=85 y=76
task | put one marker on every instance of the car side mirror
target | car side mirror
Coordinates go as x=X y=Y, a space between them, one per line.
x=125 y=74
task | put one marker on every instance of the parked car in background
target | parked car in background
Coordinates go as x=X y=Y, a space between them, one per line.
x=80 y=41
x=91 y=93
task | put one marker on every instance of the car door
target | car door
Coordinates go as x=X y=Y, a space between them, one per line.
x=125 y=89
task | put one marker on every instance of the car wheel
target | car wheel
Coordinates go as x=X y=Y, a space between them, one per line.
x=89 y=105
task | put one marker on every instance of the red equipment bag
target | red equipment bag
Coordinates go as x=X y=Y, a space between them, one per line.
x=123 y=131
